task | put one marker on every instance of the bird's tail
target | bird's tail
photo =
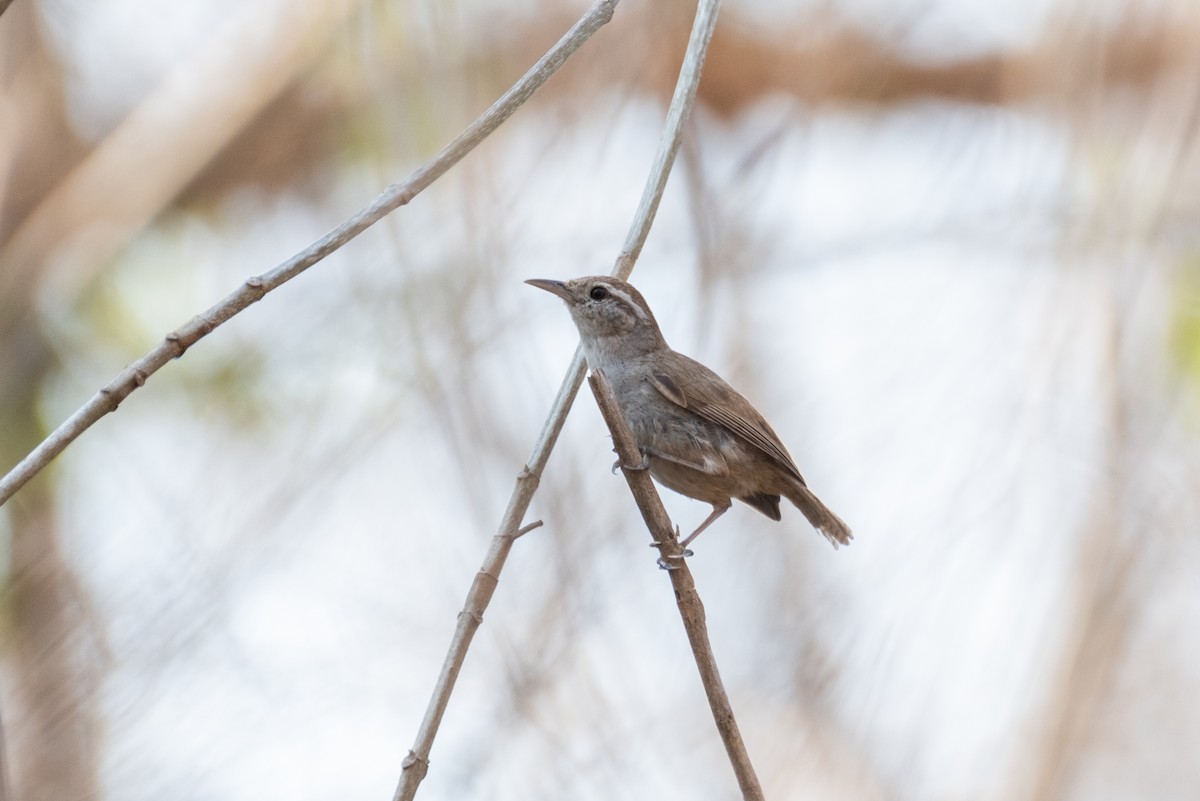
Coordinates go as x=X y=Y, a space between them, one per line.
x=821 y=516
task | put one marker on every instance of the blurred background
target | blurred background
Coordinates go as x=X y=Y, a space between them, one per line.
x=950 y=249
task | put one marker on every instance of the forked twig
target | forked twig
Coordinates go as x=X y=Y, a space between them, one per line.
x=686 y=597
x=176 y=343
x=416 y=764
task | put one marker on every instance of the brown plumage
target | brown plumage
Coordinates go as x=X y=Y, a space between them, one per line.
x=700 y=436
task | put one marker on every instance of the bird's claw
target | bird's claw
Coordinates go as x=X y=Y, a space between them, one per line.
x=671 y=561
x=645 y=465
x=664 y=564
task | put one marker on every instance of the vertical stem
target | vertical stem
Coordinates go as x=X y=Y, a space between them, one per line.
x=691 y=609
x=416 y=764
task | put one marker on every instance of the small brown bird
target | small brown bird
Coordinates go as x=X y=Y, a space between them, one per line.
x=700 y=437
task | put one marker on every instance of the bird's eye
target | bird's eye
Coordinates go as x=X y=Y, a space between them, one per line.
x=598 y=293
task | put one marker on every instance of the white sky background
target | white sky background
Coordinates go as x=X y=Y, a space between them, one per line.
x=281 y=591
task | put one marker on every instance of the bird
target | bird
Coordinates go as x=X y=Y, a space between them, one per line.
x=698 y=435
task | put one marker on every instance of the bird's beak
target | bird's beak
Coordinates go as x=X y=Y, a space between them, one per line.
x=555 y=287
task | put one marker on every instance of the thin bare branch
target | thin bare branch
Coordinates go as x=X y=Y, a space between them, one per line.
x=686 y=597
x=416 y=764
x=176 y=343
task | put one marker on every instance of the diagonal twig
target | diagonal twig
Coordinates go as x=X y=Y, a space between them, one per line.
x=176 y=343
x=416 y=764
x=686 y=597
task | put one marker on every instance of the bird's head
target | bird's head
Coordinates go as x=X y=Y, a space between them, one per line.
x=612 y=316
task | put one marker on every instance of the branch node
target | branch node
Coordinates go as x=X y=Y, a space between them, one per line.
x=257 y=286
x=412 y=760
x=523 y=530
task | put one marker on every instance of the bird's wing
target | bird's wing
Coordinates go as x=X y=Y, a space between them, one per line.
x=698 y=389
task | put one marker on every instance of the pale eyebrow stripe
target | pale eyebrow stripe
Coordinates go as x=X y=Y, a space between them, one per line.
x=629 y=301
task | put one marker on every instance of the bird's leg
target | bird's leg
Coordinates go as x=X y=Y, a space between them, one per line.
x=704 y=466
x=718 y=510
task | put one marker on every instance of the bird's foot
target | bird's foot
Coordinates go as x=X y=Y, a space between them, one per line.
x=637 y=468
x=664 y=564
x=673 y=561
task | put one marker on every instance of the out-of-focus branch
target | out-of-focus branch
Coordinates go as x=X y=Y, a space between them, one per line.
x=681 y=108
x=823 y=59
x=4 y=791
x=686 y=597
x=1089 y=657
x=416 y=764
x=196 y=110
x=176 y=343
